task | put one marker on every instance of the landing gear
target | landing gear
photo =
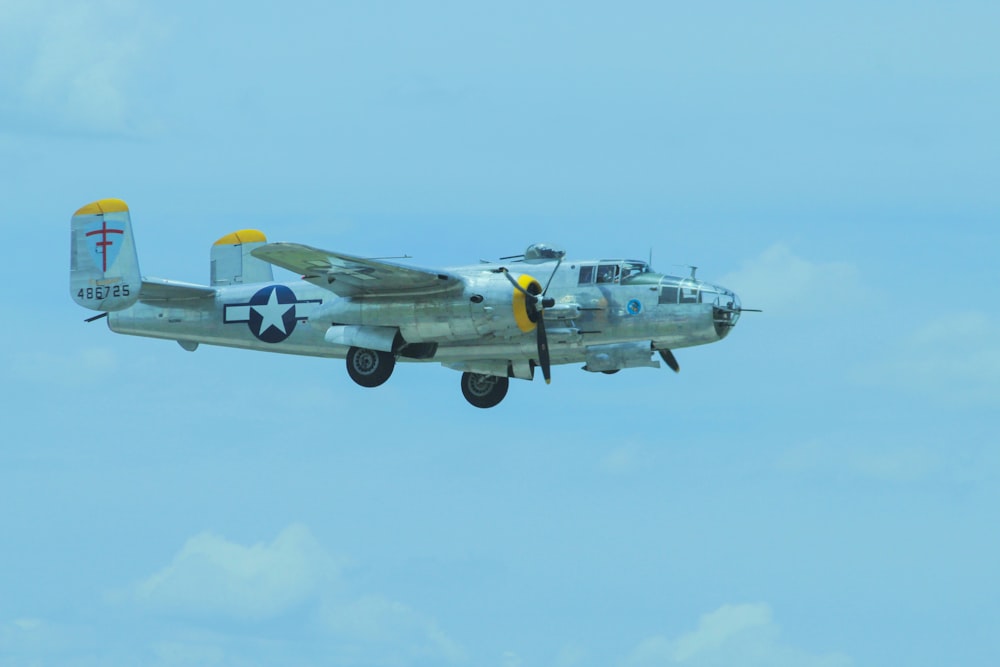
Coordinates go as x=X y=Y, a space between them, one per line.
x=484 y=391
x=369 y=368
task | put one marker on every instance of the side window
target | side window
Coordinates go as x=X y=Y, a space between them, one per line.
x=668 y=294
x=689 y=295
x=607 y=273
x=586 y=274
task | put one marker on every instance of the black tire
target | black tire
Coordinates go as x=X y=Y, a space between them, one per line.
x=484 y=391
x=369 y=368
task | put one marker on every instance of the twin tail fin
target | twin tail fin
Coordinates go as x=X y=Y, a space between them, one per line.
x=104 y=268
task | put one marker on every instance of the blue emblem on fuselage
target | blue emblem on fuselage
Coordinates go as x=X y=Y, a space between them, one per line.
x=271 y=313
x=633 y=307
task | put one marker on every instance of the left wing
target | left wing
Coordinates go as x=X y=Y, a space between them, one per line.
x=346 y=275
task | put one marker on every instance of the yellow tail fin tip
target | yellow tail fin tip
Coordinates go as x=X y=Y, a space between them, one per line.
x=103 y=206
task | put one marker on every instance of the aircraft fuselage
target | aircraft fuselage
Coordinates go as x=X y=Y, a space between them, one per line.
x=476 y=325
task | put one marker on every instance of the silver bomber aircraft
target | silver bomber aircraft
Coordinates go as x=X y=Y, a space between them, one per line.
x=490 y=321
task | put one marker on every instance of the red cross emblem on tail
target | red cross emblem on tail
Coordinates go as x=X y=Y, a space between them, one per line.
x=108 y=250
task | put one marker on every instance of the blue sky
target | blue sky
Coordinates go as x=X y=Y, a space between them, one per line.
x=819 y=489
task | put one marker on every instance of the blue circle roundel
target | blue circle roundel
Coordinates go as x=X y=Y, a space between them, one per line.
x=634 y=307
x=272 y=313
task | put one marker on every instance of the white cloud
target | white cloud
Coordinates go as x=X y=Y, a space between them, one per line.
x=387 y=631
x=734 y=635
x=212 y=576
x=780 y=282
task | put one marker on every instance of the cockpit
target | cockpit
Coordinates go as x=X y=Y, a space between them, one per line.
x=608 y=272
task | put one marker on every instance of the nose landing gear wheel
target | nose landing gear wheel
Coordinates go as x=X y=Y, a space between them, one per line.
x=484 y=391
x=369 y=368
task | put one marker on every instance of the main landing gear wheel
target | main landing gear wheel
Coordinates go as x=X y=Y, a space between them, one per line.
x=484 y=391
x=369 y=368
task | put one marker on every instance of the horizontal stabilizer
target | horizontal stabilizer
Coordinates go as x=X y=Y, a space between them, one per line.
x=156 y=290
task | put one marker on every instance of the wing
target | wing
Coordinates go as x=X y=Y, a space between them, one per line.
x=346 y=275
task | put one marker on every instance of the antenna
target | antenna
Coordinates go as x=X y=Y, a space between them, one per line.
x=693 y=269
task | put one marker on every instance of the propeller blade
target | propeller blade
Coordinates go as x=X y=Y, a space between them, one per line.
x=543 y=351
x=670 y=360
x=541 y=303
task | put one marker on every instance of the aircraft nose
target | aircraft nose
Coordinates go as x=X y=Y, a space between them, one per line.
x=726 y=312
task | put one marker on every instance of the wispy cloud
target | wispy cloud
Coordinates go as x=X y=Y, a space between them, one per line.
x=781 y=282
x=70 y=66
x=736 y=635
x=888 y=462
x=390 y=630
x=217 y=579
x=954 y=357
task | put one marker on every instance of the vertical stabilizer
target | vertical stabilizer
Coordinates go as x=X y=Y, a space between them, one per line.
x=104 y=268
x=232 y=263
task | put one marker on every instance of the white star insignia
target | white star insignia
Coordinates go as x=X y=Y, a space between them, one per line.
x=273 y=312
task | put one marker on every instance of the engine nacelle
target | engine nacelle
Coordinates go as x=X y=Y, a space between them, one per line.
x=488 y=304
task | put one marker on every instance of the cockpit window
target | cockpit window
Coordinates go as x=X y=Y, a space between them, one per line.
x=587 y=274
x=632 y=269
x=608 y=273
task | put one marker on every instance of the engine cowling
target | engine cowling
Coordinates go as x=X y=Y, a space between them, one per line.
x=525 y=314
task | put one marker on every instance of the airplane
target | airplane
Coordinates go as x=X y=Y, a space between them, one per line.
x=491 y=321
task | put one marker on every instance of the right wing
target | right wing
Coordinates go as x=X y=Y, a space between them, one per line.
x=346 y=275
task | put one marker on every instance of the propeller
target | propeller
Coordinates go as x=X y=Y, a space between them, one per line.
x=670 y=360
x=539 y=302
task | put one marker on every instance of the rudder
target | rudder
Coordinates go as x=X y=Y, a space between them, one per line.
x=104 y=267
